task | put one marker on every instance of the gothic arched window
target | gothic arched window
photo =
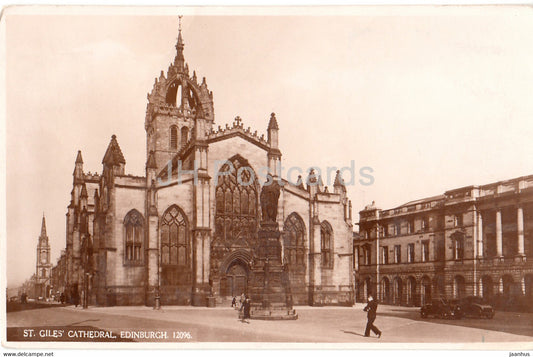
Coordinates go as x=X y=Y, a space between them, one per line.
x=175 y=246
x=294 y=244
x=184 y=135
x=236 y=201
x=326 y=244
x=133 y=242
x=173 y=137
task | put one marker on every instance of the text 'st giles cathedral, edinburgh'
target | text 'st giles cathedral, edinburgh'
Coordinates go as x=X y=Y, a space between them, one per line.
x=188 y=230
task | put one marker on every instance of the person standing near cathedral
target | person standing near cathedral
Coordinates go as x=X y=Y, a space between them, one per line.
x=246 y=309
x=241 y=300
x=371 y=309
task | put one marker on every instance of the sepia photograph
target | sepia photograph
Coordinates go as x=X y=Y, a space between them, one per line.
x=343 y=177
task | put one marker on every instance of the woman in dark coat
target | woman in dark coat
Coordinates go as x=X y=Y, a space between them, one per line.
x=246 y=309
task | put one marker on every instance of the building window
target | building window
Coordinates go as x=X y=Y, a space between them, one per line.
x=367 y=252
x=174 y=238
x=398 y=229
x=326 y=239
x=356 y=258
x=397 y=254
x=133 y=225
x=384 y=255
x=458 y=220
x=458 y=248
x=294 y=244
x=425 y=224
x=381 y=231
x=410 y=252
x=173 y=137
x=411 y=225
x=425 y=251
x=184 y=135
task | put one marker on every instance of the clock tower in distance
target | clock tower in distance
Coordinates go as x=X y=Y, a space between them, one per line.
x=43 y=266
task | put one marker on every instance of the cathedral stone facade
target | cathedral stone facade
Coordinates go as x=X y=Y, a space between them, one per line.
x=188 y=229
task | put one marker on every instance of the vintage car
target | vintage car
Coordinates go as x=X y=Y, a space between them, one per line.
x=441 y=308
x=475 y=306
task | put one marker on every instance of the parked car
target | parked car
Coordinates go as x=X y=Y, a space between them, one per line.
x=441 y=308
x=475 y=306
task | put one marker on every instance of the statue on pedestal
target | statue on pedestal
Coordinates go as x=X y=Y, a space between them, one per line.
x=269 y=200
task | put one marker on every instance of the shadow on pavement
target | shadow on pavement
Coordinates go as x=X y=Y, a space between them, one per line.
x=79 y=322
x=353 y=333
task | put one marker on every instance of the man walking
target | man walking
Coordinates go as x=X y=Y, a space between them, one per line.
x=371 y=307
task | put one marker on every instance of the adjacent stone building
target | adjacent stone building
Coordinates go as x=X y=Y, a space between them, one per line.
x=188 y=228
x=475 y=240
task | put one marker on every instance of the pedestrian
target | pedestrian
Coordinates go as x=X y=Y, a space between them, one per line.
x=371 y=307
x=234 y=302
x=246 y=309
x=241 y=300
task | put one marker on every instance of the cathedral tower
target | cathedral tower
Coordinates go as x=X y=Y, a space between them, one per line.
x=178 y=106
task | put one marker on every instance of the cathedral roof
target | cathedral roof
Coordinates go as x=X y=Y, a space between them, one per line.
x=113 y=154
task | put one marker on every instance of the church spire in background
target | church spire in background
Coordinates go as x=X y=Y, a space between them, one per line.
x=43 y=228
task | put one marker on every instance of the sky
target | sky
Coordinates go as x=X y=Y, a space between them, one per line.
x=431 y=99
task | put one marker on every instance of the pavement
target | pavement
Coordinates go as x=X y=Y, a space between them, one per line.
x=314 y=325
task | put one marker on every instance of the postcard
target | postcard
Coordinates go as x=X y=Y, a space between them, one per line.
x=267 y=178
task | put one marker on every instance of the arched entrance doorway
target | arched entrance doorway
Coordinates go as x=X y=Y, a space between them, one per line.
x=459 y=287
x=425 y=290
x=528 y=286
x=508 y=287
x=235 y=281
x=411 y=291
x=397 y=292
x=385 y=290
x=236 y=224
x=487 y=286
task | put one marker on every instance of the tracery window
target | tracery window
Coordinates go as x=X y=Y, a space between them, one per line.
x=326 y=239
x=133 y=224
x=173 y=137
x=236 y=202
x=175 y=244
x=294 y=244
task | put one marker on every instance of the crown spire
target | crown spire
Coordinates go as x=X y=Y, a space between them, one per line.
x=179 y=60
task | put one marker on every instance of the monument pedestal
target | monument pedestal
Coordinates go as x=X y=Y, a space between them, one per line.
x=270 y=294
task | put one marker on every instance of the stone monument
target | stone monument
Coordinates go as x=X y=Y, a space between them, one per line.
x=270 y=289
